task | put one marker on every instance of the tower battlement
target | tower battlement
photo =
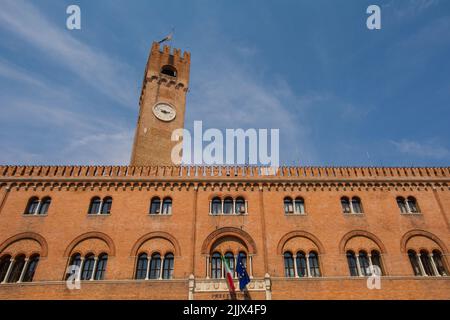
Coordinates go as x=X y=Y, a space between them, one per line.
x=169 y=51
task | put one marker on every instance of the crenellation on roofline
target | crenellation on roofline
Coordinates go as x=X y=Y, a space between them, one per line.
x=8 y=172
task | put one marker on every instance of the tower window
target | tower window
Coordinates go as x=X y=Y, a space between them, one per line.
x=408 y=205
x=155 y=266
x=168 y=266
x=352 y=266
x=288 y=265
x=169 y=71
x=352 y=205
x=288 y=205
x=99 y=206
x=38 y=207
x=345 y=202
x=141 y=267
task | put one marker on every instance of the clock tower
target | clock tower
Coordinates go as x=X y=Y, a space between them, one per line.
x=161 y=105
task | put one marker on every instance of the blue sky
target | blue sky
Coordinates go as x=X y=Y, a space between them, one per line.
x=339 y=93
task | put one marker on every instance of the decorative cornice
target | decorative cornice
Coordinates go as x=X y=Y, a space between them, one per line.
x=233 y=172
x=216 y=178
x=186 y=178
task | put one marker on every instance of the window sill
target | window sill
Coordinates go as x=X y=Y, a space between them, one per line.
x=360 y=214
x=411 y=214
x=35 y=215
x=295 y=214
x=99 y=215
x=159 y=214
x=227 y=214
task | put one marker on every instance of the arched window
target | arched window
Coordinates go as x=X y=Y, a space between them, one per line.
x=106 y=205
x=216 y=266
x=32 y=205
x=240 y=206
x=345 y=202
x=376 y=261
x=412 y=205
x=439 y=262
x=216 y=206
x=301 y=264
x=16 y=270
x=414 y=262
x=299 y=205
x=88 y=267
x=155 y=205
x=402 y=205
x=169 y=70
x=101 y=266
x=352 y=266
x=31 y=268
x=314 y=267
x=5 y=261
x=229 y=258
x=289 y=265
x=94 y=207
x=167 y=206
x=356 y=205
x=426 y=262
x=141 y=266
x=288 y=205
x=155 y=266
x=228 y=206
x=243 y=256
x=45 y=203
x=74 y=264
x=168 y=266
x=364 y=263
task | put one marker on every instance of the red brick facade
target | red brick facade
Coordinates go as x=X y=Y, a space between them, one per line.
x=191 y=233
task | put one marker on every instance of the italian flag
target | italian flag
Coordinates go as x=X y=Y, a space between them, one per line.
x=228 y=276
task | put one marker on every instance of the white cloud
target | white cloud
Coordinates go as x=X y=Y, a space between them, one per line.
x=54 y=110
x=410 y=8
x=96 y=68
x=429 y=149
x=79 y=138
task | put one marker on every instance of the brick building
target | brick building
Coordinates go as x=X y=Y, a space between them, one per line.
x=153 y=230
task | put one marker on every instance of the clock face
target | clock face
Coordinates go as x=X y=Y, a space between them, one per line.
x=164 y=112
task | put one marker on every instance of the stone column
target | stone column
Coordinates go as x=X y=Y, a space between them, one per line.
x=23 y=270
x=358 y=266
x=295 y=266
x=161 y=268
x=8 y=272
x=369 y=255
x=80 y=270
x=147 y=273
x=433 y=264
x=308 y=272
x=422 y=269
x=93 y=269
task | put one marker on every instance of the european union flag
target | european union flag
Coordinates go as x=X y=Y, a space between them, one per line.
x=244 y=279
